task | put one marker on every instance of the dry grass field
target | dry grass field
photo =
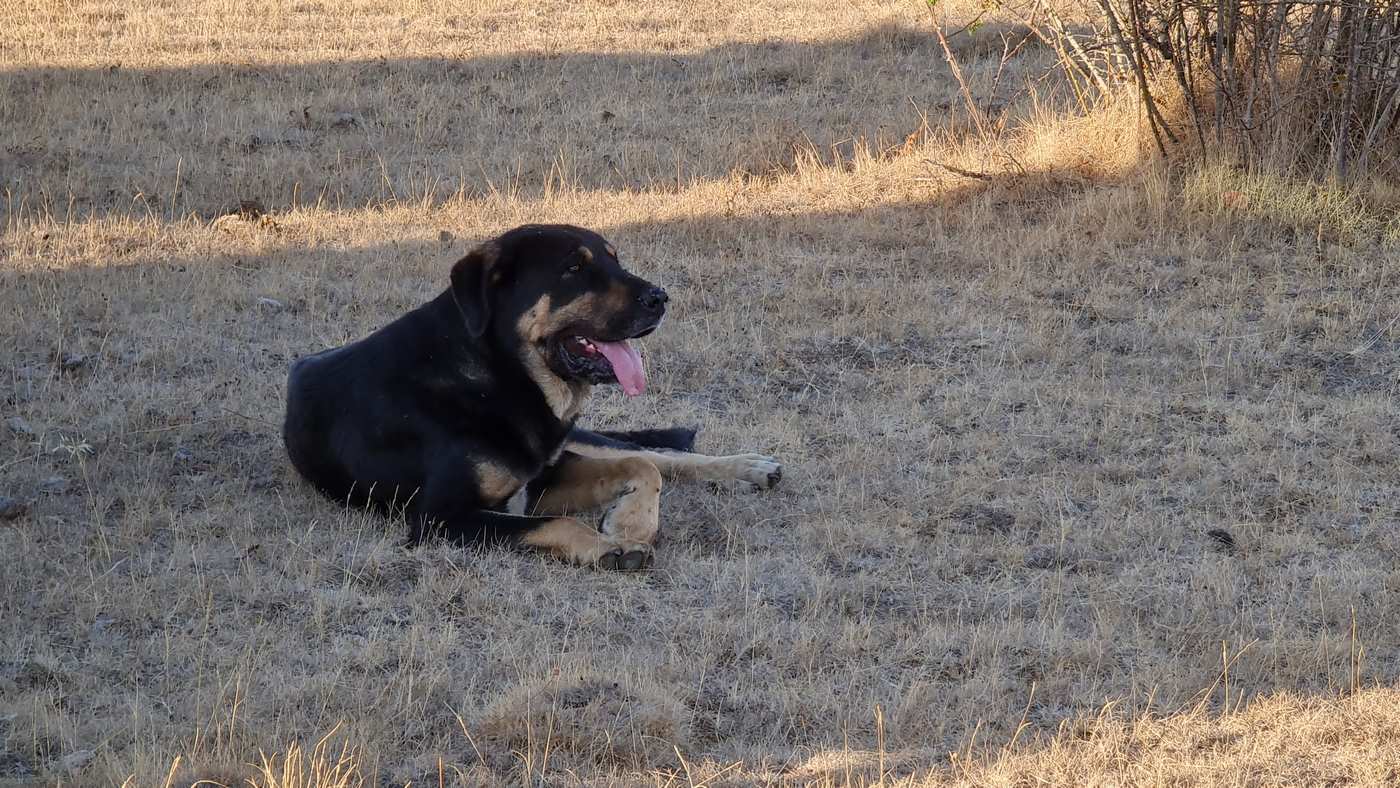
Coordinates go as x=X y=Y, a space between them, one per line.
x=1091 y=462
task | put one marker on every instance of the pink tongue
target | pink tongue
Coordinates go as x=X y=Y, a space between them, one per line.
x=626 y=364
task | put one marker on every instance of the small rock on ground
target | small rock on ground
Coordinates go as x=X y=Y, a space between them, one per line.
x=985 y=518
x=11 y=508
x=346 y=120
x=1041 y=557
x=1223 y=539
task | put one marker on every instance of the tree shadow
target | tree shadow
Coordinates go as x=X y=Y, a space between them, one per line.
x=174 y=141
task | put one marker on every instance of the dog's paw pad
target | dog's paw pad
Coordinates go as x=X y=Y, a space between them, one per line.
x=635 y=560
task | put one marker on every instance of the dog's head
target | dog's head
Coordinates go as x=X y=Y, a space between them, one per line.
x=557 y=294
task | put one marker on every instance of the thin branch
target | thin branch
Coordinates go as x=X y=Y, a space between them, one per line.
x=958 y=75
x=1154 y=119
x=981 y=176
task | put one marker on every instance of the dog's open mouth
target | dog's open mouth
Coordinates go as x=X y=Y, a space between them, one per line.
x=623 y=361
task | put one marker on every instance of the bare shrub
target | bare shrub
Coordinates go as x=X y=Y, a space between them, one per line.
x=1312 y=85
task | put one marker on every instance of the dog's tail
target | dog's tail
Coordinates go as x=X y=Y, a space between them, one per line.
x=672 y=439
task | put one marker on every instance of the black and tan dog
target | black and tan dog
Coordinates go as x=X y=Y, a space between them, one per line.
x=461 y=413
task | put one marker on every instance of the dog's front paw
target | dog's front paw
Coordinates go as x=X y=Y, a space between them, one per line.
x=756 y=469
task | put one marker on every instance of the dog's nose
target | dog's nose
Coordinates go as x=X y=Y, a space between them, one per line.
x=654 y=298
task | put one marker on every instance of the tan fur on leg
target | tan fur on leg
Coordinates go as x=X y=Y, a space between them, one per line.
x=753 y=468
x=631 y=484
x=570 y=540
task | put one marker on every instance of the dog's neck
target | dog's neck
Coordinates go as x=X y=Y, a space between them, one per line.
x=565 y=398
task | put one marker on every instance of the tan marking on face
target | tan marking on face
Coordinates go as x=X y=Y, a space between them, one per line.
x=538 y=324
x=586 y=253
x=543 y=321
x=534 y=324
x=584 y=309
x=617 y=299
x=495 y=483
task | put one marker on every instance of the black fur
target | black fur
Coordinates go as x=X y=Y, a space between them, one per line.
x=673 y=439
x=405 y=418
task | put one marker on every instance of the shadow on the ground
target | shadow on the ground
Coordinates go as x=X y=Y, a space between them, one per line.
x=173 y=141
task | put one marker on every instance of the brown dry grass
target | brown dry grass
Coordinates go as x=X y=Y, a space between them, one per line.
x=1011 y=409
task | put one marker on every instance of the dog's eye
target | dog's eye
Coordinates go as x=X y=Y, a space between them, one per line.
x=573 y=269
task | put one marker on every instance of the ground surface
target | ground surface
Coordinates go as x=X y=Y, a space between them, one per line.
x=1062 y=443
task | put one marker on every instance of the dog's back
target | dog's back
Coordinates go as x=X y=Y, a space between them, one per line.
x=309 y=423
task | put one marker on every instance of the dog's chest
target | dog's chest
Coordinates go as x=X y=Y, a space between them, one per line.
x=496 y=484
x=515 y=504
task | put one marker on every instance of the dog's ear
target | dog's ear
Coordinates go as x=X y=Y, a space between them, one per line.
x=473 y=278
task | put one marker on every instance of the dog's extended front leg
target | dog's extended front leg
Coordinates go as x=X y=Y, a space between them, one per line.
x=757 y=469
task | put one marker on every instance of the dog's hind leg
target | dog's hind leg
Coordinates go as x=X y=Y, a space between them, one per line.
x=571 y=540
x=564 y=538
x=630 y=484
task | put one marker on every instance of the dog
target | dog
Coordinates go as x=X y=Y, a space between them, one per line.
x=461 y=414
